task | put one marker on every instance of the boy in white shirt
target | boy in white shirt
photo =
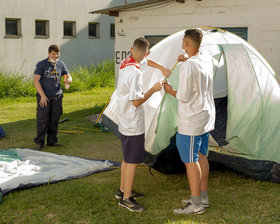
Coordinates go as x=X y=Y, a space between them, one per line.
x=131 y=123
x=196 y=118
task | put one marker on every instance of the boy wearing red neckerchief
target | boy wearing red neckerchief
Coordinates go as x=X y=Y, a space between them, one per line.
x=131 y=123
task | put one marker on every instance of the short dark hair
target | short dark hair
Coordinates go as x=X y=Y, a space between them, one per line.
x=141 y=43
x=195 y=35
x=54 y=48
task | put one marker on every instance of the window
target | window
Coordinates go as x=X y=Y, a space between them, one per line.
x=239 y=31
x=112 y=30
x=13 y=27
x=42 y=28
x=154 y=39
x=94 y=30
x=69 y=29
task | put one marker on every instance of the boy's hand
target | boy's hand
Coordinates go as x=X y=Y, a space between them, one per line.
x=182 y=58
x=157 y=86
x=67 y=79
x=167 y=87
x=44 y=101
x=166 y=72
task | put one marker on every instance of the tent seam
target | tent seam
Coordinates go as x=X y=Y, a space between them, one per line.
x=260 y=95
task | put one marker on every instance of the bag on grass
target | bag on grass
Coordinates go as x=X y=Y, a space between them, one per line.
x=2 y=133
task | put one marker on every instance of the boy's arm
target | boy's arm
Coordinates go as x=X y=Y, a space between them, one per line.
x=168 y=89
x=165 y=71
x=38 y=86
x=148 y=94
x=65 y=73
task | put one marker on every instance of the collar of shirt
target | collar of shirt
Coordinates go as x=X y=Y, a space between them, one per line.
x=128 y=62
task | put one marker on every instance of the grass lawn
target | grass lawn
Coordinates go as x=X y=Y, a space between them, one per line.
x=234 y=197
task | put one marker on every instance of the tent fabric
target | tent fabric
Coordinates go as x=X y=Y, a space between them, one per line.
x=245 y=107
x=245 y=100
x=246 y=111
x=247 y=120
x=9 y=155
x=258 y=169
x=27 y=168
x=164 y=125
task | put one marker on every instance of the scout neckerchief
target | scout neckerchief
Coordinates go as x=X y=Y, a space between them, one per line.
x=54 y=71
x=54 y=66
x=129 y=61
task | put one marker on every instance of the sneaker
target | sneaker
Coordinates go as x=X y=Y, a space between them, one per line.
x=131 y=204
x=190 y=209
x=205 y=202
x=119 y=194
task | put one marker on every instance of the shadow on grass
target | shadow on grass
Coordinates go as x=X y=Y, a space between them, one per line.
x=80 y=138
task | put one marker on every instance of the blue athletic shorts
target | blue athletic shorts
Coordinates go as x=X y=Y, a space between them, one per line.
x=190 y=146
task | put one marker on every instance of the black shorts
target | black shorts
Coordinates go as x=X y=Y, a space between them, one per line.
x=133 y=148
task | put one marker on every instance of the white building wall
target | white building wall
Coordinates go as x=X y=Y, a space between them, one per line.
x=261 y=17
x=22 y=54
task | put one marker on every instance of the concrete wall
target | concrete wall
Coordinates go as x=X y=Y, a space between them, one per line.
x=261 y=17
x=21 y=54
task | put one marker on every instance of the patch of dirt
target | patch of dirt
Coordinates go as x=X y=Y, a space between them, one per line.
x=93 y=117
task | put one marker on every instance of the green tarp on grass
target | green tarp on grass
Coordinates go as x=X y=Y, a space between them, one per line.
x=8 y=155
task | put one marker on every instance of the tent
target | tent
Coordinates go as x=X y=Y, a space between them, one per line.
x=24 y=168
x=247 y=98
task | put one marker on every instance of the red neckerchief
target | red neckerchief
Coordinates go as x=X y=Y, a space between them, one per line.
x=129 y=61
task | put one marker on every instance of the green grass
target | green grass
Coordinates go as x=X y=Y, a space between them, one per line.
x=85 y=78
x=235 y=198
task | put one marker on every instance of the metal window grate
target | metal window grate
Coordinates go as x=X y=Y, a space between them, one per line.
x=239 y=31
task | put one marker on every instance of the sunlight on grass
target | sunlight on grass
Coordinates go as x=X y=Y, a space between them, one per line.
x=25 y=107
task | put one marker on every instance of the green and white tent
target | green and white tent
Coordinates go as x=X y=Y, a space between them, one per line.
x=247 y=98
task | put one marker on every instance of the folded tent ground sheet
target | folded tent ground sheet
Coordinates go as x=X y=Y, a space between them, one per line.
x=22 y=168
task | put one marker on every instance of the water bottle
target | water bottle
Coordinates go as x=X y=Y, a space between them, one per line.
x=67 y=86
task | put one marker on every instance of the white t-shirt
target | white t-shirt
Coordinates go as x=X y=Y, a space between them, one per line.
x=129 y=88
x=196 y=107
x=143 y=65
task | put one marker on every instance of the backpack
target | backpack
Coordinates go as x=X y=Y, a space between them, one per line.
x=2 y=133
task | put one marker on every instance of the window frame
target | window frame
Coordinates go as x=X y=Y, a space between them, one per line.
x=47 y=29
x=112 y=37
x=74 y=34
x=97 y=36
x=155 y=36
x=18 y=24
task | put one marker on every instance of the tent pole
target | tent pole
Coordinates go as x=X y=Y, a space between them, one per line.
x=102 y=112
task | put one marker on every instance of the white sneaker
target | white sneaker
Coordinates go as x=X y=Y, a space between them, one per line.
x=190 y=208
x=205 y=202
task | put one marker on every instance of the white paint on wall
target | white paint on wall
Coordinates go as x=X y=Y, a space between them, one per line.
x=261 y=17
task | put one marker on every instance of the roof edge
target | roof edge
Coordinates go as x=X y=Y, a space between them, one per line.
x=114 y=11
